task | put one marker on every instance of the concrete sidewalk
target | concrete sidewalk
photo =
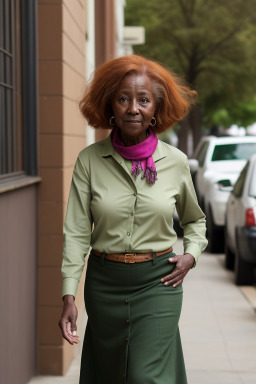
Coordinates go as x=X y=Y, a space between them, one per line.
x=218 y=328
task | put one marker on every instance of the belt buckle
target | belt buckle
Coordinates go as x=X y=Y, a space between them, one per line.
x=129 y=258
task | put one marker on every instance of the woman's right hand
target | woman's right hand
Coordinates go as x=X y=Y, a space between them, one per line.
x=68 y=319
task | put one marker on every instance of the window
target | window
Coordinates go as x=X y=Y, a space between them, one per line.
x=10 y=89
x=18 y=89
x=238 y=151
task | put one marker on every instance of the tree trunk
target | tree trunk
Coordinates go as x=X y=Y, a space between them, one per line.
x=195 y=123
x=183 y=135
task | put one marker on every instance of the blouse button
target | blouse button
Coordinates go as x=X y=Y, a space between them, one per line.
x=128 y=233
x=126 y=301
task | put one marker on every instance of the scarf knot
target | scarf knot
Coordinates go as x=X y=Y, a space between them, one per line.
x=140 y=155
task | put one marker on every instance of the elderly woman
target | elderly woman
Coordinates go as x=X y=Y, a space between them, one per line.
x=122 y=199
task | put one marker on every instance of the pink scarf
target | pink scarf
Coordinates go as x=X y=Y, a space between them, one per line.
x=140 y=154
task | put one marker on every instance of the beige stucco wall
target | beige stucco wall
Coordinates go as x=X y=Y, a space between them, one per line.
x=62 y=132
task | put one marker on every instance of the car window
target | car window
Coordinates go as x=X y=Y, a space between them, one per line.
x=252 y=189
x=239 y=185
x=202 y=153
x=238 y=151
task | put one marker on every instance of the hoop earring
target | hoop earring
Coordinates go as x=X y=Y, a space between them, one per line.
x=154 y=121
x=111 y=122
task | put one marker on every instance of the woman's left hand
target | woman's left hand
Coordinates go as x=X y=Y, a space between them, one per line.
x=183 y=264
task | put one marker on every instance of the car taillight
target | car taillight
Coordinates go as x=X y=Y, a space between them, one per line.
x=250 y=217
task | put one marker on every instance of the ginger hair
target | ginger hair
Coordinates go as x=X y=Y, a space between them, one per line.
x=172 y=96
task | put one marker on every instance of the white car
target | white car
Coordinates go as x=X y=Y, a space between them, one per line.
x=215 y=168
x=240 y=227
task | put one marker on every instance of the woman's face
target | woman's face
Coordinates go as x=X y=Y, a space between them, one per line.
x=133 y=106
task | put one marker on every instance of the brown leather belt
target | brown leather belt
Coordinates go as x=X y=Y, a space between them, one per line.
x=130 y=257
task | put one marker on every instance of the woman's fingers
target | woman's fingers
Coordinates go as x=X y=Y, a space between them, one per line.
x=73 y=327
x=176 y=273
x=66 y=332
x=70 y=331
x=67 y=322
x=178 y=283
x=183 y=264
x=173 y=280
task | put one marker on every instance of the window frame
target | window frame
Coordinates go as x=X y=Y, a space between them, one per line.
x=10 y=88
x=29 y=103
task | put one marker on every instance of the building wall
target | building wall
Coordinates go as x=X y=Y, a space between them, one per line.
x=18 y=233
x=61 y=35
x=119 y=16
x=90 y=54
x=105 y=41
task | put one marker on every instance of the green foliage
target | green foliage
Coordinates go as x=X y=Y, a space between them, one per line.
x=212 y=43
x=241 y=113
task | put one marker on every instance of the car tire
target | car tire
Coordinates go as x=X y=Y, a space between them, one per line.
x=229 y=255
x=215 y=234
x=244 y=271
x=229 y=258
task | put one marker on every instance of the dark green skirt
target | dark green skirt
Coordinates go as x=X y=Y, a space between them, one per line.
x=132 y=334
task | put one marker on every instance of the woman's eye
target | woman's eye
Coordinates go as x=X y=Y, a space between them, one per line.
x=123 y=98
x=144 y=100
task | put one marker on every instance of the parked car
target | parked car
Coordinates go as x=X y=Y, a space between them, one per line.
x=240 y=226
x=215 y=168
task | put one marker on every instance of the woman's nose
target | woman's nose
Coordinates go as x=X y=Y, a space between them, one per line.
x=133 y=107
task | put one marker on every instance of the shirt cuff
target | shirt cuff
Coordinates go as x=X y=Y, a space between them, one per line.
x=194 y=249
x=70 y=286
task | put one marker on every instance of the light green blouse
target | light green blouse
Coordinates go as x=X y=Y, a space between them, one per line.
x=114 y=213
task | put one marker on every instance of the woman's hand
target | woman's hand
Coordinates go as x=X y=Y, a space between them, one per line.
x=68 y=319
x=183 y=264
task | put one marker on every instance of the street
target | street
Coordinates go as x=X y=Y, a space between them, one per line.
x=218 y=328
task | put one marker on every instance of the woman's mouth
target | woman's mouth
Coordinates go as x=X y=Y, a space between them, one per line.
x=133 y=122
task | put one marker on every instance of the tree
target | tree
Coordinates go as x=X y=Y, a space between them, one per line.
x=241 y=113
x=211 y=43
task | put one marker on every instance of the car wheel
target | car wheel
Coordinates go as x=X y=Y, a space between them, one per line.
x=229 y=255
x=244 y=272
x=215 y=235
x=229 y=258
